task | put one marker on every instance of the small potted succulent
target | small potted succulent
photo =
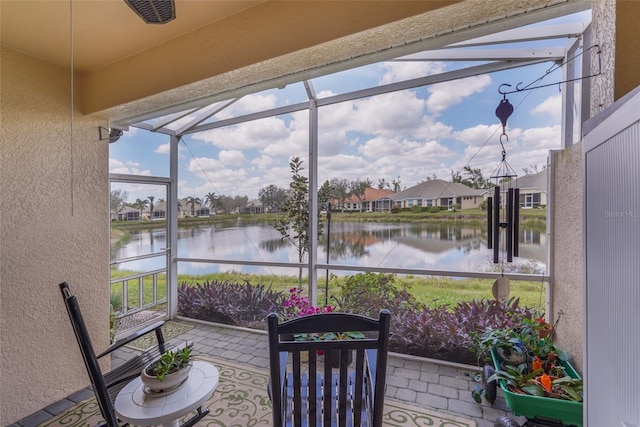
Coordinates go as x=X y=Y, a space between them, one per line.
x=171 y=370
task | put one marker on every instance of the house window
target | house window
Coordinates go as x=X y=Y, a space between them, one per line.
x=529 y=200
x=410 y=202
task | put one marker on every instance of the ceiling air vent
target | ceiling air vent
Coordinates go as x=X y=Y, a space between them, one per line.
x=153 y=11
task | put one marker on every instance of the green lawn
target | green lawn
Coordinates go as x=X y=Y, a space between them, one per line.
x=431 y=291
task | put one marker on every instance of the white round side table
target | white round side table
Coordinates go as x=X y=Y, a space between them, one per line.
x=136 y=407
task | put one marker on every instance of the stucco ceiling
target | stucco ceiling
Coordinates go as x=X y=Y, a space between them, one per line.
x=104 y=31
x=107 y=31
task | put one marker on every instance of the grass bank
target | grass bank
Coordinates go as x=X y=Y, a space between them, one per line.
x=432 y=291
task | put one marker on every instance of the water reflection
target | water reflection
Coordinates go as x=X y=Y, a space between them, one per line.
x=425 y=246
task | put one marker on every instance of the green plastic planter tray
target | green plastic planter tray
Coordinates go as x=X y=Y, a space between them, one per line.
x=524 y=405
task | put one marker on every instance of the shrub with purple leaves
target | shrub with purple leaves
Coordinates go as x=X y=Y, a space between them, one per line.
x=452 y=333
x=240 y=304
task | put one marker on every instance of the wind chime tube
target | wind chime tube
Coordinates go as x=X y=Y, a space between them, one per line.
x=496 y=224
x=516 y=221
x=510 y=225
x=489 y=222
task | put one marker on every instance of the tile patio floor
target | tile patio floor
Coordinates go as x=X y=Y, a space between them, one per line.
x=444 y=387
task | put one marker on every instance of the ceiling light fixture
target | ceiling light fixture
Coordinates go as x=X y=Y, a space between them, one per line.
x=153 y=11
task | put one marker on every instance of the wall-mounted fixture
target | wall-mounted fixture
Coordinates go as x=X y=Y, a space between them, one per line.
x=112 y=135
x=153 y=11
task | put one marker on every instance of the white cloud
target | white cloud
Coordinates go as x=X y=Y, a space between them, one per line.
x=478 y=135
x=131 y=168
x=525 y=147
x=551 y=106
x=163 y=149
x=263 y=162
x=392 y=113
x=545 y=137
x=232 y=157
x=253 y=134
x=343 y=166
x=249 y=104
x=444 y=95
x=400 y=71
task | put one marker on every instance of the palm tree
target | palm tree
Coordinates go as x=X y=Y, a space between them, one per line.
x=151 y=198
x=212 y=200
x=140 y=205
x=192 y=201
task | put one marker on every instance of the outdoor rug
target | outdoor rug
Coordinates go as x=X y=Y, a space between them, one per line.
x=170 y=329
x=241 y=400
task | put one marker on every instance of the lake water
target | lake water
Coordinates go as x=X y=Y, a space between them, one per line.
x=422 y=246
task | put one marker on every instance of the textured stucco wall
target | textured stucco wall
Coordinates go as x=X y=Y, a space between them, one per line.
x=47 y=236
x=567 y=255
x=603 y=23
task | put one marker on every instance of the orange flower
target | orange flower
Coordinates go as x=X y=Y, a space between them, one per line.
x=545 y=380
x=536 y=364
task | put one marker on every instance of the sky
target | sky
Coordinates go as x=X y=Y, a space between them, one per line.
x=410 y=135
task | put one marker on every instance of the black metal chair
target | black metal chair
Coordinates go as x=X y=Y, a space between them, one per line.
x=314 y=393
x=107 y=386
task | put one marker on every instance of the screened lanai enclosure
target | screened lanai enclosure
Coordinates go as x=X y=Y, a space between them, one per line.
x=186 y=182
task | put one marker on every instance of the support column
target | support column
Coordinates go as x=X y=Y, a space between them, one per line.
x=313 y=195
x=568 y=90
x=172 y=230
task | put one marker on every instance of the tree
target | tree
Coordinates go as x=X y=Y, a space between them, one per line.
x=475 y=178
x=232 y=204
x=324 y=194
x=533 y=169
x=191 y=201
x=117 y=202
x=383 y=183
x=339 y=190
x=294 y=222
x=272 y=197
x=151 y=199
x=140 y=204
x=396 y=185
x=212 y=200
x=358 y=187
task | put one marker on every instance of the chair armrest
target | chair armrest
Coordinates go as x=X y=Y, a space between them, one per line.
x=126 y=340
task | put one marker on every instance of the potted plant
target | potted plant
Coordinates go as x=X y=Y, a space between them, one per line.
x=335 y=354
x=169 y=371
x=507 y=342
x=526 y=362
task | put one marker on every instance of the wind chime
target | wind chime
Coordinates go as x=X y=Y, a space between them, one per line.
x=507 y=217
